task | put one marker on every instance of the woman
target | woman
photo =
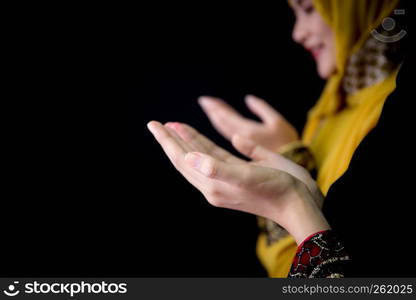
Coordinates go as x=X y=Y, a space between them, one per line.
x=239 y=178
x=361 y=73
x=369 y=206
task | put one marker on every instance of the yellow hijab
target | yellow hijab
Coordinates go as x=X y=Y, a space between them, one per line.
x=352 y=22
x=334 y=140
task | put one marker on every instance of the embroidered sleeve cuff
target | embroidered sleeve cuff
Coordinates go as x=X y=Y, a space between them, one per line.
x=320 y=255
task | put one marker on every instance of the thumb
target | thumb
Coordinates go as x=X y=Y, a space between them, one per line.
x=262 y=109
x=250 y=149
x=207 y=165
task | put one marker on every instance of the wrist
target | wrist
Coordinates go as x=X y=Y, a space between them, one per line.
x=303 y=217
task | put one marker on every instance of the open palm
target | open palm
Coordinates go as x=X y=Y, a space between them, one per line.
x=272 y=132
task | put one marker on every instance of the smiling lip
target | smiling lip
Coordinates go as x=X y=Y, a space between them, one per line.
x=315 y=51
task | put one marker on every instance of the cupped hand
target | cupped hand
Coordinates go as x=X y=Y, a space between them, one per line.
x=272 y=132
x=229 y=182
x=259 y=155
x=263 y=157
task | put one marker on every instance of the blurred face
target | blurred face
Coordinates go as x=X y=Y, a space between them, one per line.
x=315 y=35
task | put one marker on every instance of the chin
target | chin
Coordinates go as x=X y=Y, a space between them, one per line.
x=325 y=71
x=323 y=74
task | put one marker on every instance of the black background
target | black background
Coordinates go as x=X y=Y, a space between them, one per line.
x=82 y=199
x=222 y=52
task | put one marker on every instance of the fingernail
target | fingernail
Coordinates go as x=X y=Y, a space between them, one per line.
x=171 y=125
x=250 y=98
x=151 y=125
x=204 y=101
x=194 y=159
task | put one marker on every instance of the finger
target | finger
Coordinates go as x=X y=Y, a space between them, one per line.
x=260 y=154
x=262 y=109
x=222 y=116
x=202 y=144
x=185 y=145
x=170 y=146
x=250 y=149
x=236 y=174
x=176 y=154
x=267 y=158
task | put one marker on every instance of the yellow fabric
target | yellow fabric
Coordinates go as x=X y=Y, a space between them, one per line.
x=352 y=22
x=334 y=135
x=271 y=256
x=341 y=133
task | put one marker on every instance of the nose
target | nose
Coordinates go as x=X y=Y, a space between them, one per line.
x=300 y=31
